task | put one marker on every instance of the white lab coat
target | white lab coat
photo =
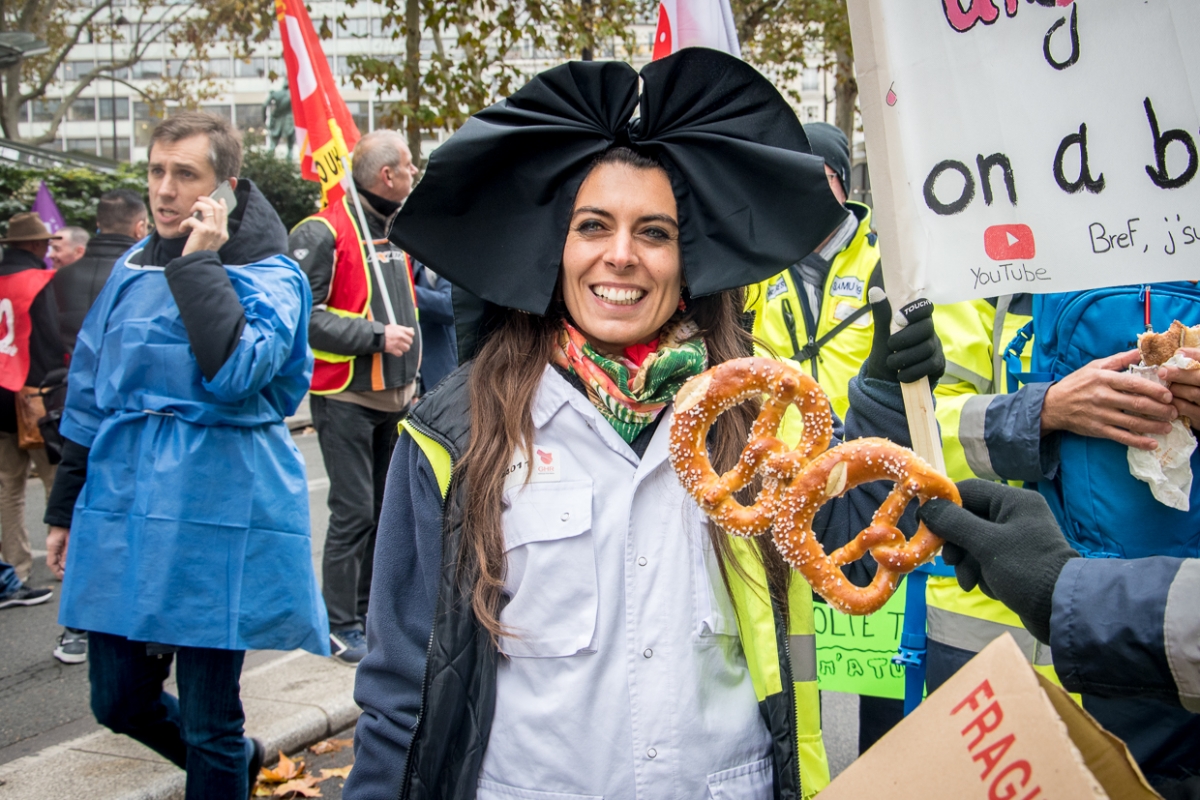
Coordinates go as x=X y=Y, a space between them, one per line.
x=625 y=676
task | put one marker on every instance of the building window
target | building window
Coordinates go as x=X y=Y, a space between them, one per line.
x=74 y=70
x=250 y=68
x=222 y=110
x=106 y=148
x=379 y=31
x=87 y=145
x=106 y=108
x=250 y=118
x=810 y=113
x=219 y=68
x=357 y=28
x=387 y=116
x=360 y=114
x=82 y=109
x=24 y=112
x=343 y=66
x=148 y=69
x=180 y=68
x=142 y=130
x=810 y=80
x=145 y=112
x=146 y=118
x=43 y=110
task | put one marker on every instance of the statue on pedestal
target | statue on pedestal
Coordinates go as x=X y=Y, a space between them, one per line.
x=280 y=125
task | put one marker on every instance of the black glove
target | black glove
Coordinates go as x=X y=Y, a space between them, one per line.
x=913 y=352
x=1005 y=541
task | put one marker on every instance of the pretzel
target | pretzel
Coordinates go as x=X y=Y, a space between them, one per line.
x=797 y=482
x=708 y=395
x=832 y=474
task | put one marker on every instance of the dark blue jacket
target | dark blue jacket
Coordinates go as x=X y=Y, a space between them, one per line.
x=440 y=687
x=1126 y=634
x=439 y=356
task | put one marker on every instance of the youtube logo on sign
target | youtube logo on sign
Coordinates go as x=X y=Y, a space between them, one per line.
x=1009 y=243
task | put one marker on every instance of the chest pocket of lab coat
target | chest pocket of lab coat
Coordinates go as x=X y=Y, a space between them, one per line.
x=551 y=570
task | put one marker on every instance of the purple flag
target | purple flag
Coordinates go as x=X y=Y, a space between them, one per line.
x=45 y=207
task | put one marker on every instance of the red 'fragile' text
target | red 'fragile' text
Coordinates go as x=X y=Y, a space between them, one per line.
x=989 y=745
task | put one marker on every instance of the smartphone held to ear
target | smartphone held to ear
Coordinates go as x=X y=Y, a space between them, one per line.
x=223 y=192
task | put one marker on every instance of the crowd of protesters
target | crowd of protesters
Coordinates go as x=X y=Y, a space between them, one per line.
x=584 y=272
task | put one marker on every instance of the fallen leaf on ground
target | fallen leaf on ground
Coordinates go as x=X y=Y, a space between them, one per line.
x=340 y=772
x=300 y=787
x=263 y=790
x=330 y=746
x=284 y=771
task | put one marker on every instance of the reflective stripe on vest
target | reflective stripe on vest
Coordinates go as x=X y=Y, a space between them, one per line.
x=973 y=634
x=350 y=292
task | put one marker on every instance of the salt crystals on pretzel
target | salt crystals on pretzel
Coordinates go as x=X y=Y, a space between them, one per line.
x=797 y=482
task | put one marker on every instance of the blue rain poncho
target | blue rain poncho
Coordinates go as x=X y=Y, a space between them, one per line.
x=193 y=528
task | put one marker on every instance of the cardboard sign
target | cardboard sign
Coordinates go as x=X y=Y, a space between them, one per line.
x=996 y=729
x=1020 y=146
x=854 y=654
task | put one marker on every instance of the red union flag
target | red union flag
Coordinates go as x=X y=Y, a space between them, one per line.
x=17 y=292
x=326 y=130
x=695 y=23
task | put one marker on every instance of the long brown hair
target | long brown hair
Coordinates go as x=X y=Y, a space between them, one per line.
x=507 y=371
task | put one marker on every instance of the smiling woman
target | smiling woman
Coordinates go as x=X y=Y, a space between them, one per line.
x=551 y=614
x=622 y=276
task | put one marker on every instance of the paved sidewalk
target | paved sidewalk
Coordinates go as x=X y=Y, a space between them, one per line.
x=290 y=702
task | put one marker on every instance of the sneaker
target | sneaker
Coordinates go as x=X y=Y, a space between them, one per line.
x=257 y=754
x=72 y=647
x=25 y=595
x=349 y=647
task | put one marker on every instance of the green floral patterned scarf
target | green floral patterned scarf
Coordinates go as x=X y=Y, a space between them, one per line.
x=630 y=396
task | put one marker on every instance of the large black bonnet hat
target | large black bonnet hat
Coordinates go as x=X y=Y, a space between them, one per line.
x=492 y=212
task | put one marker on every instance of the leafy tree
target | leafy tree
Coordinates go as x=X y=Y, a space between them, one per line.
x=474 y=44
x=782 y=37
x=190 y=27
x=75 y=190
x=279 y=180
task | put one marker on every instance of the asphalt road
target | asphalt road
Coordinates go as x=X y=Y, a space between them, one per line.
x=44 y=702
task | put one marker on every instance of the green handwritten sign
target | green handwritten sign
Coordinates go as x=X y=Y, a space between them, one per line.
x=854 y=654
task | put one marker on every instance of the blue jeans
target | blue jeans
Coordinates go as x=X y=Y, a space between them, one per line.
x=9 y=582
x=200 y=731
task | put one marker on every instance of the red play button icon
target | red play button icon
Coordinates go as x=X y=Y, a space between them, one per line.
x=1009 y=243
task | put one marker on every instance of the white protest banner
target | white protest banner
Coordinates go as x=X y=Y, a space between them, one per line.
x=1031 y=145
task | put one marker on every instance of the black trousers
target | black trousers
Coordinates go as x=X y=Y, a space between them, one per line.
x=356 y=445
x=199 y=731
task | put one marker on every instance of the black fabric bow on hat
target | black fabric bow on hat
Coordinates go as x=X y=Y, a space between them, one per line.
x=492 y=212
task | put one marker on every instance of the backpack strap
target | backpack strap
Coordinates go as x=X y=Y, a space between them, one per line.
x=1012 y=361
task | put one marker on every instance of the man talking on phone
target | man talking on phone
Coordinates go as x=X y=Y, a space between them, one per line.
x=179 y=514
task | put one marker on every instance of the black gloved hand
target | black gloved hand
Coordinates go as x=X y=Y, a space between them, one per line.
x=913 y=352
x=1006 y=541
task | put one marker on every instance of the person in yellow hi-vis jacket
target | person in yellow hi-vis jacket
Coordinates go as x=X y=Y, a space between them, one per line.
x=974 y=334
x=552 y=614
x=816 y=313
